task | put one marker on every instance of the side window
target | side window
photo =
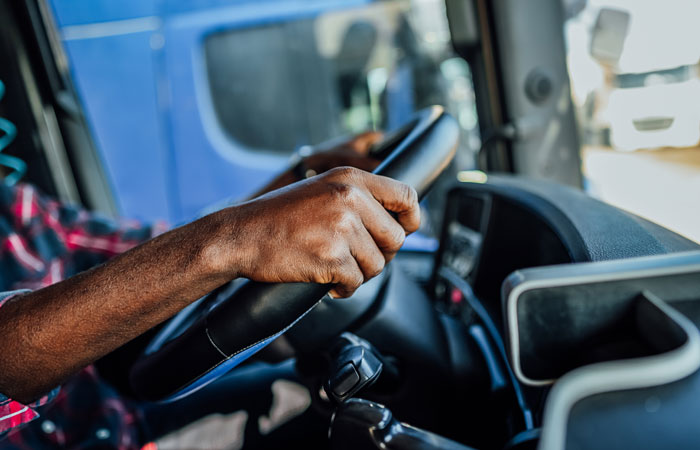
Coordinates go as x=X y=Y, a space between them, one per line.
x=268 y=85
x=635 y=78
x=277 y=86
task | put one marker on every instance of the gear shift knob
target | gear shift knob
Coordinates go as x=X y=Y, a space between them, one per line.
x=354 y=366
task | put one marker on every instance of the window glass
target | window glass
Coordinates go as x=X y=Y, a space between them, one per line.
x=278 y=86
x=636 y=86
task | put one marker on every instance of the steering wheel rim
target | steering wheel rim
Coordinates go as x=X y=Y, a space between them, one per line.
x=257 y=313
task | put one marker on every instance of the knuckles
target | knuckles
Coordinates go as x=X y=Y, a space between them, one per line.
x=376 y=269
x=345 y=173
x=348 y=280
x=398 y=236
x=344 y=224
x=411 y=200
x=334 y=256
x=410 y=195
x=343 y=193
x=393 y=238
x=354 y=280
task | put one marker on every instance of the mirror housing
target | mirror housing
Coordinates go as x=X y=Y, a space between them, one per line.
x=608 y=36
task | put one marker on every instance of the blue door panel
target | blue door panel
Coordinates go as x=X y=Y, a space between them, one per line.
x=209 y=165
x=139 y=69
x=82 y=12
x=114 y=77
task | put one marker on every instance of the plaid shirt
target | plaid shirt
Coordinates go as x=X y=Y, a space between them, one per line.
x=43 y=242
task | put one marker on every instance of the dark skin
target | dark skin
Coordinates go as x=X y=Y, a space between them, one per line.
x=353 y=153
x=332 y=228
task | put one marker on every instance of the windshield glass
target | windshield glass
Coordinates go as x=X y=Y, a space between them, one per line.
x=280 y=85
x=204 y=102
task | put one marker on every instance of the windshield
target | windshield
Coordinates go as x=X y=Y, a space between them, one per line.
x=207 y=101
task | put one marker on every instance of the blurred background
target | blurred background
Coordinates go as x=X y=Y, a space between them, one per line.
x=638 y=105
x=192 y=102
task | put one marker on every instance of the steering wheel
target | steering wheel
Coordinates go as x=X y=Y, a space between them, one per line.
x=219 y=337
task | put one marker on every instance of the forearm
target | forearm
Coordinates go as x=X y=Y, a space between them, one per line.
x=331 y=229
x=55 y=331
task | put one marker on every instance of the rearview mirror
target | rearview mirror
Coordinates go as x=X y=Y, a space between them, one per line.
x=608 y=36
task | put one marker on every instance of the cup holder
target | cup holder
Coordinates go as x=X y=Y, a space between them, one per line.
x=577 y=334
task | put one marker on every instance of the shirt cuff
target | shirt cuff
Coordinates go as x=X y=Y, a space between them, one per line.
x=14 y=414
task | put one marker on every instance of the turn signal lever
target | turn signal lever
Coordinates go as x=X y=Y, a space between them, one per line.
x=355 y=365
x=361 y=424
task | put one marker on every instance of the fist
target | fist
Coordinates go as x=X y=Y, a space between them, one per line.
x=339 y=228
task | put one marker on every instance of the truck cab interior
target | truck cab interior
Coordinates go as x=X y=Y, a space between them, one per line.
x=524 y=314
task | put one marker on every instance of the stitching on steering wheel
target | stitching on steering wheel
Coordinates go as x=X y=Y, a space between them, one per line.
x=228 y=357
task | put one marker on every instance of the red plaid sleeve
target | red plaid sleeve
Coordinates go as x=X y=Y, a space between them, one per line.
x=42 y=242
x=12 y=413
x=79 y=229
x=50 y=241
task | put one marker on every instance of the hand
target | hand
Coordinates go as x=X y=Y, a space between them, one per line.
x=353 y=153
x=334 y=228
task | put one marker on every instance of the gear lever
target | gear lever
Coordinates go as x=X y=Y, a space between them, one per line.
x=355 y=365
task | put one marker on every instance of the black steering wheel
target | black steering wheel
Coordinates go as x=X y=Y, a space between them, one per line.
x=219 y=337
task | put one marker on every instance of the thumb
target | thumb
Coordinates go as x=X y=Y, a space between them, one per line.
x=362 y=143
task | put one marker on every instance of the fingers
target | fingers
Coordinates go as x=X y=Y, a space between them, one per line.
x=362 y=143
x=358 y=188
x=365 y=236
x=321 y=162
x=348 y=277
x=360 y=258
x=362 y=162
x=396 y=197
x=387 y=233
x=369 y=258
